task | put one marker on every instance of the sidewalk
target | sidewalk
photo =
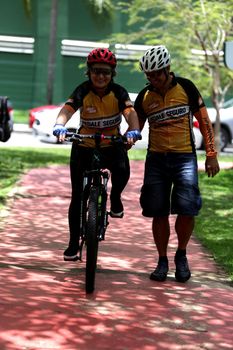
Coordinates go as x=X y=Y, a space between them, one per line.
x=22 y=128
x=43 y=304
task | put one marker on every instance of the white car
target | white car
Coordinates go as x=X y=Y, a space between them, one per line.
x=226 y=125
x=44 y=122
x=197 y=135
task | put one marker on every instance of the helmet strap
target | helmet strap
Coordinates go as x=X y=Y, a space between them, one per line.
x=166 y=72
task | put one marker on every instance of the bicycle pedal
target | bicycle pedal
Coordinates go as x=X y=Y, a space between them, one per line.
x=101 y=237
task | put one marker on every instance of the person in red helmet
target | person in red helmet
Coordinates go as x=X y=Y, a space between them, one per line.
x=101 y=103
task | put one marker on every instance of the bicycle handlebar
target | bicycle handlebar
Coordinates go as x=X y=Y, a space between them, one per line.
x=70 y=136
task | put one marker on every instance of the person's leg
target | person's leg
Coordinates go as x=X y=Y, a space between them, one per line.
x=184 y=227
x=120 y=173
x=186 y=203
x=161 y=234
x=155 y=202
x=78 y=161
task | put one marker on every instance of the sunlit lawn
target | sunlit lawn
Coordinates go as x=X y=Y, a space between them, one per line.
x=215 y=223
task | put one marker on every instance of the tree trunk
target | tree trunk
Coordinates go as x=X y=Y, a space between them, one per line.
x=216 y=105
x=52 y=50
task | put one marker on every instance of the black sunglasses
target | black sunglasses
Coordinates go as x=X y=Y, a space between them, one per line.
x=98 y=71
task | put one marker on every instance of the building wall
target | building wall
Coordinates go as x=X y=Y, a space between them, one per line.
x=24 y=61
x=16 y=63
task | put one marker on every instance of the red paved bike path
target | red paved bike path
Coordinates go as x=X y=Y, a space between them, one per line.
x=42 y=300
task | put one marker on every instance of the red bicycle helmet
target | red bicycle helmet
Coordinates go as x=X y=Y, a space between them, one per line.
x=102 y=56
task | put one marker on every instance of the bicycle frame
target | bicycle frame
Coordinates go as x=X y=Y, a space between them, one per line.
x=99 y=179
x=93 y=213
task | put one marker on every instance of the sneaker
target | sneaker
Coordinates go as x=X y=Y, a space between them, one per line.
x=160 y=273
x=117 y=215
x=117 y=210
x=182 y=273
x=70 y=254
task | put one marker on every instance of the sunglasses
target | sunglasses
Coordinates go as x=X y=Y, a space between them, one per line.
x=98 y=71
x=154 y=75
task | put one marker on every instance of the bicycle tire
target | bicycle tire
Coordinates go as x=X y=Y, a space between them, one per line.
x=92 y=241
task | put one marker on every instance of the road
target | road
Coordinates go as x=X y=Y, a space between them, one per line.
x=22 y=137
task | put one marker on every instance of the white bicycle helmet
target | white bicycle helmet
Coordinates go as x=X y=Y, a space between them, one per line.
x=155 y=59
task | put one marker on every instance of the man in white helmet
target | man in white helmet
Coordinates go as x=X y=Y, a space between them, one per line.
x=171 y=176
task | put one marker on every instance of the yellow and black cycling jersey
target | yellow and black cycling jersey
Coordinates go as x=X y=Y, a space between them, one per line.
x=170 y=117
x=99 y=114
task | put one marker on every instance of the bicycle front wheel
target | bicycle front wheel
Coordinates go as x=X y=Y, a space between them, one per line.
x=92 y=241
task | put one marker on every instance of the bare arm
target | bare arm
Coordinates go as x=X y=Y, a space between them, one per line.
x=132 y=118
x=65 y=114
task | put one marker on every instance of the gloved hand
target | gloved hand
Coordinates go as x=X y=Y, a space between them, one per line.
x=59 y=130
x=134 y=134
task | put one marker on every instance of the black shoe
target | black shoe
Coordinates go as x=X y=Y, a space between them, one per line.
x=117 y=210
x=160 y=273
x=182 y=273
x=70 y=254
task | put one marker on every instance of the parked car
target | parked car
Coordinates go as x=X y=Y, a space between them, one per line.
x=42 y=120
x=42 y=126
x=35 y=112
x=226 y=125
x=197 y=135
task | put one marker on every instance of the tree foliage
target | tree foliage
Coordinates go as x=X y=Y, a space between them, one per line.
x=102 y=7
x=194 y=31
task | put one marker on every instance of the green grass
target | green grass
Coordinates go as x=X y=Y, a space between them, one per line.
x=137 y=154
x=15 y=161
x=215 y=222
x=213 y=225
x=21 y=116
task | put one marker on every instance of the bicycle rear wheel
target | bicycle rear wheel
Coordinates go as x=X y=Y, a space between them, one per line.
x=92 y=241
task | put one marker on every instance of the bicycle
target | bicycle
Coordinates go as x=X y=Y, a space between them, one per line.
x=93 y=213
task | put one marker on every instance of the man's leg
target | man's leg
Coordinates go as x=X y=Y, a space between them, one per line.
x=184 y=227
x=161 y=234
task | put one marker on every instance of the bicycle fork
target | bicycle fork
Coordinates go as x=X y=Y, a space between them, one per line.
x=83 y=211
x=102 y=211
